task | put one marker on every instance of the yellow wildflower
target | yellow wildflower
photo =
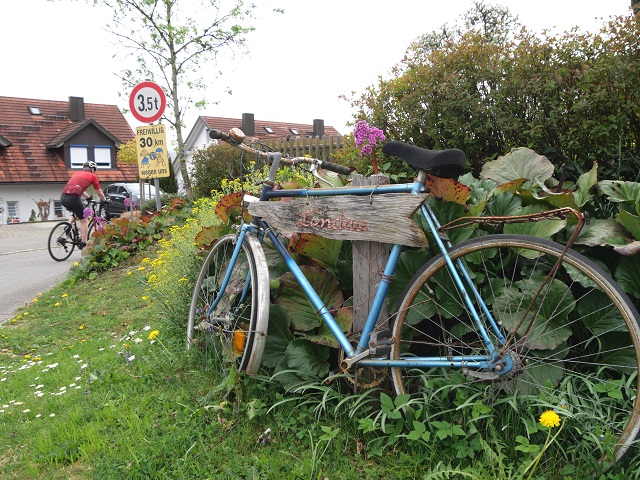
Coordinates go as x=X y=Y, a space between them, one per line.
x=64 y=295
x=57 y=304
x=154 y=334
x=128 y=273
x=549 y=419
x=81 y=327
x=75 y=264
x=140 y=268
x=35 y=300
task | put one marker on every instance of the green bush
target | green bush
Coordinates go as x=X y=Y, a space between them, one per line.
x=572 y=97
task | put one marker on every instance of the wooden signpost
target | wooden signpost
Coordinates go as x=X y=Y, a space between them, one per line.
x=381 y=218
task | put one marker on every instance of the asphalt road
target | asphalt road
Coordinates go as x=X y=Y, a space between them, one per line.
x=26 y=268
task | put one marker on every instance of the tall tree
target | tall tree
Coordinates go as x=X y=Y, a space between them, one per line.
x=168 y=39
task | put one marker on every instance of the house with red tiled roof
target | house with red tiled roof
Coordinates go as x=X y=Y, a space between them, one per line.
x=263 y=130
x=43 y=141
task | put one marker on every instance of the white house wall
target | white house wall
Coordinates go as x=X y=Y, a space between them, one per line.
x=25 y=194
x=198 y=138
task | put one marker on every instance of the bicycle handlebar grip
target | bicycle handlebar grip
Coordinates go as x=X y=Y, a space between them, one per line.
x=334 y=167
x=215 y=134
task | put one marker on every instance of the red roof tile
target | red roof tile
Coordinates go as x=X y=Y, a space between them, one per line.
x=28 y=141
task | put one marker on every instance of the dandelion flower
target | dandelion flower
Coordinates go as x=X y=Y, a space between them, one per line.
x=35 y=300
x=549 y=419
x=128 y=274
x=64 y=295
x=75 y=264
x=154 y=334
x=81 y=327
x=140 y=268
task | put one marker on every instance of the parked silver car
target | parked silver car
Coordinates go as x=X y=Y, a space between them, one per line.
x=120 y=192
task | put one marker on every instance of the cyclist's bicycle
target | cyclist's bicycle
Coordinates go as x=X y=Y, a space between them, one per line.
x=519 y=324
x=65 y=236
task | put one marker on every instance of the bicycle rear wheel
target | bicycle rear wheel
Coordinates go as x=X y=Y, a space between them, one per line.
x=61 y=241
x=578 y=357
x=235 y=331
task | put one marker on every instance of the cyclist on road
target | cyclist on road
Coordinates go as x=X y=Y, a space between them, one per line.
x=74 y=191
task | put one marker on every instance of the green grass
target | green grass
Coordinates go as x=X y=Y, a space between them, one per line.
x=85 y=393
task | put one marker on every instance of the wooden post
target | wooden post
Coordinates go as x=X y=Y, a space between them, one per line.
x=369 y=260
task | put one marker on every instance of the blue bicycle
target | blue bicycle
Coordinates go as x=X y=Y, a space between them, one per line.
x=520 y=323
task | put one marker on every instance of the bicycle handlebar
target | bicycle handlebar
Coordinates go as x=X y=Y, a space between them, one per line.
x=236 y=138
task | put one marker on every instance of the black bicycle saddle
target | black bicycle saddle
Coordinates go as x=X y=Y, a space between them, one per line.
x=449 y=163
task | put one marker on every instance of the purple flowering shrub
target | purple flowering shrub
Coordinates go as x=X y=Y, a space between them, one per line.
x=367 y=137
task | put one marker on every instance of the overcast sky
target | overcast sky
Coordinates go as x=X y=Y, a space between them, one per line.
x=299 y=63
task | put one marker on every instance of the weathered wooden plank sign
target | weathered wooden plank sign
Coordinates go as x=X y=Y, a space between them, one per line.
x=380 y=218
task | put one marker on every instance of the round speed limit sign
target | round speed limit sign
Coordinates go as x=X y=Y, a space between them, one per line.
x=147 y=102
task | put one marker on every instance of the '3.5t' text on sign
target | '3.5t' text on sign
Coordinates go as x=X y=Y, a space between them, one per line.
x=151 y=148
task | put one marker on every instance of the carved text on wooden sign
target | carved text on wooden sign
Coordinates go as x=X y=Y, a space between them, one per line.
x=380 y=218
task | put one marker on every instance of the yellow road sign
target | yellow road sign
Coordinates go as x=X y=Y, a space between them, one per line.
x=151 y=147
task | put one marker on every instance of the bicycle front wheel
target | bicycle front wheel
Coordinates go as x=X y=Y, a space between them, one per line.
x=576 y=351
x=61 y=241
x=235 y=329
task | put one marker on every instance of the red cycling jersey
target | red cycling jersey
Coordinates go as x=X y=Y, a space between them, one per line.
x=79 y=182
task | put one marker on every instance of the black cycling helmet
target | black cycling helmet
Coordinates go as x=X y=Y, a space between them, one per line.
x=91 y=165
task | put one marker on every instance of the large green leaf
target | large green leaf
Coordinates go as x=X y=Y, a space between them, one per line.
x=290 y=296
x=278 y=337
x=619 y=191
x=307 y=358
x=519 y=163
x=410 y=262
x=628 y=275
x=344 y=318
x=597 y=230
x=630 y=222
x=585 y=183
x=550 y=327
x=503 y=204
x=598 y=315
x=541 y=228
x=323 y=251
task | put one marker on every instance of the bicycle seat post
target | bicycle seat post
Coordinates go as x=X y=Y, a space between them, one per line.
x=274 y=159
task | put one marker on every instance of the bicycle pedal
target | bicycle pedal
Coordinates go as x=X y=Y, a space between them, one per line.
x=380 y=342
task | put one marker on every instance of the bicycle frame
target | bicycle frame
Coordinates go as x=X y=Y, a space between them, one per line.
x=360 y=353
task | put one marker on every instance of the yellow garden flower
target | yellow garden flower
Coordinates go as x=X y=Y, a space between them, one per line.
x=154 y=334
x=549 y=419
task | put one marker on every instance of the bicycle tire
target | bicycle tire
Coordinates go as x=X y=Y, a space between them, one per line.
x=61 y=242
x=580 y=357
x=235 y=332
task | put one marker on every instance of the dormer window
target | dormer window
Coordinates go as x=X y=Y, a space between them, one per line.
x=294 y=131
x=268 y=129
x=33 y=110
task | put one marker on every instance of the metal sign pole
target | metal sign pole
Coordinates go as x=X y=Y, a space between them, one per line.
x=156 y=182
